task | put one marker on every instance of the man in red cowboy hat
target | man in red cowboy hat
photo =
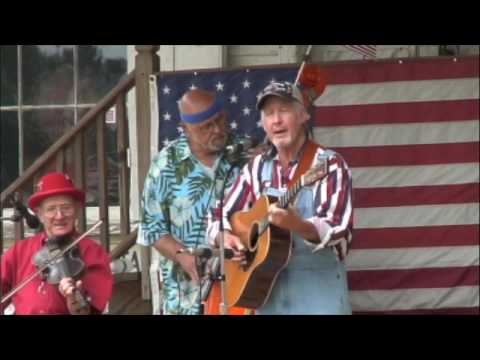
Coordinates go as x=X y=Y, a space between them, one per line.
x=57 y=202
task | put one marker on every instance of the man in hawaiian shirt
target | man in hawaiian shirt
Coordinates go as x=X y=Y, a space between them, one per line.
x=183 y=184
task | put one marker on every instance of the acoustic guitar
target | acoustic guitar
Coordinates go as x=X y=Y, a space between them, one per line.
x=268 y=247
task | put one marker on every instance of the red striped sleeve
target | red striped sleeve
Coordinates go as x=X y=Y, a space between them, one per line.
x=337 y=206
x=330 y=188
x=238 y=196
x=343 y=196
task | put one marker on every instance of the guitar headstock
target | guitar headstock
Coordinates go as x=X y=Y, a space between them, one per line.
x=316 y=173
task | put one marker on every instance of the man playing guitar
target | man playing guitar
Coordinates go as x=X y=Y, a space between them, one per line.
x=320 y=221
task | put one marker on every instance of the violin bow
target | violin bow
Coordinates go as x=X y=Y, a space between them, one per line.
x=43 y=267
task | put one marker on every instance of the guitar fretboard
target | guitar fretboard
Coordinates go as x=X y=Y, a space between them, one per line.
x=282 y=202
x=285 y=199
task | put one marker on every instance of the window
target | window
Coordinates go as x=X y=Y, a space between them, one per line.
x=45 y=89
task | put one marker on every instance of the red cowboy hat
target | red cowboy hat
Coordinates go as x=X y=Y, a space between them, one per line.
x=52 y=184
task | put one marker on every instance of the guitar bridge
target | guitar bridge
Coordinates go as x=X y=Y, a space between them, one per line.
x=249 y=257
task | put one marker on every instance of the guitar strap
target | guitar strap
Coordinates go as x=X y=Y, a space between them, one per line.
x=305 y=161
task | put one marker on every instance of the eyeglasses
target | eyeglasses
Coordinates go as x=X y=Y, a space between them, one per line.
x=65 y=209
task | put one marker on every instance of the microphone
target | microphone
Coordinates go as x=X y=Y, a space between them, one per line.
x=207 y=253
x=242 y=146
x=22 y=211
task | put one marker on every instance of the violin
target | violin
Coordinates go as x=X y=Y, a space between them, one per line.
x=55 y=267
x=58 y=267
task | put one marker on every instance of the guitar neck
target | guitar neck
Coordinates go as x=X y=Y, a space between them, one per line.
x=285 y=199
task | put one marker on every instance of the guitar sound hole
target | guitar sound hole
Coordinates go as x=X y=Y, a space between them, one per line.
x=253 y=238
x=252 y=246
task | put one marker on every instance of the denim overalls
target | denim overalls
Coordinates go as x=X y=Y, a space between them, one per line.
x=312 y=283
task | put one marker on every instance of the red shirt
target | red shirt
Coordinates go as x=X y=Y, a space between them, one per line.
x=40 y=297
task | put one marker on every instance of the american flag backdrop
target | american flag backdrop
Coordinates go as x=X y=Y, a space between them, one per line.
x=237 y=88
x=409 y=131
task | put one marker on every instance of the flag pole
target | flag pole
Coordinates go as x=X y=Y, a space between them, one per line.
x=305 y=58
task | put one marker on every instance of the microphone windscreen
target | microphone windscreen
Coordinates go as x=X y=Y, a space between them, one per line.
x=228 y=253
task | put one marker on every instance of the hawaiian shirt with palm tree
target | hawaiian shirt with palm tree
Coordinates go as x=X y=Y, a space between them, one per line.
x=178 y=196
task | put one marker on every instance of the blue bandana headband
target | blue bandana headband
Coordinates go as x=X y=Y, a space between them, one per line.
x=201 y=116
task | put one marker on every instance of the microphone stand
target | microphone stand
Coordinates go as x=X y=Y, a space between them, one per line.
x=1 y=255
x=223 y=302
x=1 y=284
x=14 y=218
x=1 y=252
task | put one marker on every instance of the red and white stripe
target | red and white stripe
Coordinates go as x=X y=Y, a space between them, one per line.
x=365 y=50
x=409 y=131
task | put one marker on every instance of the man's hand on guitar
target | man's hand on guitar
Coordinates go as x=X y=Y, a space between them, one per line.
x=290 y=220
x=231 y=241
x=283 y=218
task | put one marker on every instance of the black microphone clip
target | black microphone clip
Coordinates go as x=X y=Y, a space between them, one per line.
x=21 y=211
x=207 y=252
x=242 y=145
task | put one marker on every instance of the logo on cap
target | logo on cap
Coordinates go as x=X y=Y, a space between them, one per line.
x=284 y=89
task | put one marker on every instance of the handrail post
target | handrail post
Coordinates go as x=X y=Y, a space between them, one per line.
x=146 y=63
